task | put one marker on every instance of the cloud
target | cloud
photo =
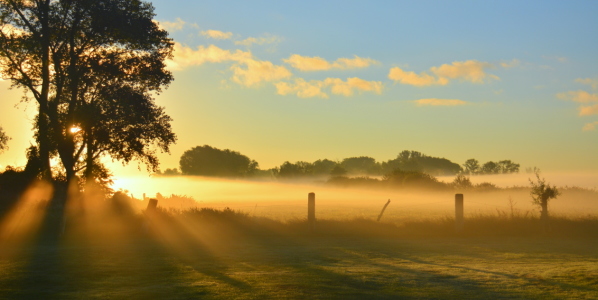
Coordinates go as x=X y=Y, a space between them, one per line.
x=471 y=70
x=560 y=59
x=177 y=25
x=411 y=78
x=266 y=39
x=593 y=82
x=185 y=57
x=590 y=126
x=314 y=88
x=306 y=63
x=217 y=34
x=302 y=88
x=251 y=72
x=510 y=64
x=588 y=110
x=578 y=96
x=439 y=102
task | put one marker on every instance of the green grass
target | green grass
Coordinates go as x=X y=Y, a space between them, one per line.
x=213 y=254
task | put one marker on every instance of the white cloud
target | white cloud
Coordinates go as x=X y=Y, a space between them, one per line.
x=590 y=126
x=306 y=63
x=217 y=34
x=439 y=102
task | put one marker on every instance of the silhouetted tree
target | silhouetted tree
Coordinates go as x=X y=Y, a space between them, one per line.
x=471 y=167
x=3 y=140
x=293 y=170
x=323 y=166
x=79 y=60
x=490 y=168
x=412 y=179
x=508 y=167
x=417 y=162
x=541 y=193
x=338 y=170
x=361 y=165
x=209 y=161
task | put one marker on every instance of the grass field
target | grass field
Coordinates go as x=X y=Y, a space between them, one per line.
x=214 y=254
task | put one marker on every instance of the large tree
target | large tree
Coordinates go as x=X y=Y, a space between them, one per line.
x=92 y=67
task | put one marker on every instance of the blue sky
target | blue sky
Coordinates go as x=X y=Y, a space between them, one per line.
x=304 y=80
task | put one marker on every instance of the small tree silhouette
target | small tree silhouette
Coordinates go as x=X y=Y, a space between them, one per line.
x=541 y=192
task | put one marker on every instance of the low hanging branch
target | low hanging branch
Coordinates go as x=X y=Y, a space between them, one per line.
x=383 y=209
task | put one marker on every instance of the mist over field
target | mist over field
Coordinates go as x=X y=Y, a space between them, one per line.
x=286 y=200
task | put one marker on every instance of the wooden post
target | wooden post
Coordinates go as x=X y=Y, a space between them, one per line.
x=311 y=211
x=383 y=209
x=459 y=212
x=152 y=204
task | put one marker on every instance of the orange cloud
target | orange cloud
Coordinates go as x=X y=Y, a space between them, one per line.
x=306 y=63
x=302 y=88
x=593 y=82
x=185 y=57
x=217 y=34
x=411 y=78
x=510 y=64
x=590 y=126
x=251 y=72
x=177 y=25
x=267 y=39
x=588 y=110
x=439 y=102
x=471 y=70
x=578 y=96
x=337 y=86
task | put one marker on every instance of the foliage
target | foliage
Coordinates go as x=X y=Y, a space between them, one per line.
x=462 y=182
x=541 y=191
x=362 y=165
x=400 y=178
x=418 y=162
x=3 y=140
x=472 y=167
x=209 y=161
x=90 y=66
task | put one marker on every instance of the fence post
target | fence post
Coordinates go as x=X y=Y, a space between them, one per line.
x=151 y=205
x=311 y=212
x=459 y=212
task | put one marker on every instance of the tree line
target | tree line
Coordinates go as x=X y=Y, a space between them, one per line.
x=209 y=161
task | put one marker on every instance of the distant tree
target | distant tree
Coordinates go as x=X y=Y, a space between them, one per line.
x=412 y=179
x=462 y=182
x=323 y=166
x=209 y=161
x=361 y=165
x=294 y=170
x=417 y=162
x=490 y=168
x=471 y=166
x=508 y=167
x=3 y=140
x=541 y=193
x=338 y=170
x=171 y=172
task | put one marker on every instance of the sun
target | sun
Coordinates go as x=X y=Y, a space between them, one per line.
x=75 y=129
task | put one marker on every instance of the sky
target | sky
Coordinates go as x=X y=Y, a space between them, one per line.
x=305 y=80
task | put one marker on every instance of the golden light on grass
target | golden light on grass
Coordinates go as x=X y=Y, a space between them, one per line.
x=21 y=223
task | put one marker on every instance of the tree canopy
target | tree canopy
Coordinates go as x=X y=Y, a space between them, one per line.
x=3 y=140
x=91 y=67
x=209 y=161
